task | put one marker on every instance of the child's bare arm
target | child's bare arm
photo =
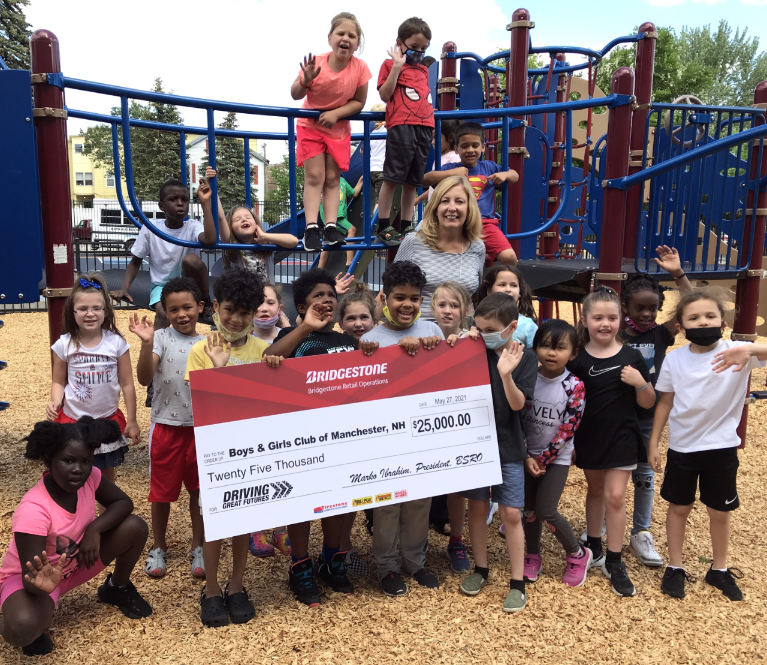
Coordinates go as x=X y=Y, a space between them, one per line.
x=147 y=360
x=58 y=384
x=433 y=178
x=355 y=105
x=386 y=91
x=125 y=375
x=315 y=319
x=130 y=274
x=662 y=411
x=309 y=72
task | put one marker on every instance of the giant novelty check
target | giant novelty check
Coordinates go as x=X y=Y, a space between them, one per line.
x=330 y=434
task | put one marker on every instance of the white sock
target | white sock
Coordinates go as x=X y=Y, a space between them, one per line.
x=675 y=567
x=721 y=570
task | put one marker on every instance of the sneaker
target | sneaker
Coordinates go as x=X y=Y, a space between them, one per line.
x=621 y=584
x=585 y=535
x=155 y=563
x=355 y=565
x=333 y=573
x=149 y=396
x=577 y=567
x=673 y=582
x=473 y=584
x=198 y=563
x=258 y=545
x=282 y=542
x=389 y=236
x=459 y=561
x=643 y=546
x=596 y=561
x=206 y=317
x=408 y=229
x=515 y=601
x=392 y=585
x=312 y=239
x=493 y=510
x=724 y=580
x=426 y=579
x=41 y=646
x=502 y=530
x=127 y=599
x=332 y=236
x=302 y=584
x=533 y=567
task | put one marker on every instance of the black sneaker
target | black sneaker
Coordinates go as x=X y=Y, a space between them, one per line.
x=127 y=599
x=616 y=573
x=427 y=579
x=408 y=229
x=332 y=236
x=149 y=396
x=312 y=239
x=301 y=582
x=389 y=236
x=673 y=582
x=392 y=585
x=724 y=580
x=207 y=313
x=334 y=573
x=41 y=646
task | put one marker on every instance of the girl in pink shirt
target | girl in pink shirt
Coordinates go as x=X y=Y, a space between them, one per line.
x=57 y=540
x=337 y=84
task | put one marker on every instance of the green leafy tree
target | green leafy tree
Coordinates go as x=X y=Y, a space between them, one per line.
x=14 y=34
x=280 y=176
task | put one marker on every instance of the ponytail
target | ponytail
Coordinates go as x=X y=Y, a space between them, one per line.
x=600 y=294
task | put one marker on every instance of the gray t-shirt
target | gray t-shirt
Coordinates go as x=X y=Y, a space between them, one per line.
x=465 y=268
x=172 y=402
x=386 y=337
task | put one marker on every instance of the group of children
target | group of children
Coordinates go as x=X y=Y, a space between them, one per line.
x=561 y=396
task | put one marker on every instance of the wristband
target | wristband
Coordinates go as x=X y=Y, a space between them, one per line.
x=639 y=390
x=301 y=83
x=680 y=276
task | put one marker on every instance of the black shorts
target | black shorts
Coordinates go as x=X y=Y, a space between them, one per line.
x=407 y=149
x=717 y=470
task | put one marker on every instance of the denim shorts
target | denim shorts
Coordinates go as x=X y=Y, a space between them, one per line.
x=511 y=491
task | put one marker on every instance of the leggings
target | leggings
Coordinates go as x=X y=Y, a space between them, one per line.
x=542 y=496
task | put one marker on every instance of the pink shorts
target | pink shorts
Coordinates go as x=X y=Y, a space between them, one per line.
x=81 y=575
x=311 y=143
x=495 y=241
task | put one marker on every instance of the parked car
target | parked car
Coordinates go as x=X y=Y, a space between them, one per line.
x=115 y=240
x=84 y=230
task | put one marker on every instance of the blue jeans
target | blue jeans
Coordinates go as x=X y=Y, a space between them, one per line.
x=644 y=486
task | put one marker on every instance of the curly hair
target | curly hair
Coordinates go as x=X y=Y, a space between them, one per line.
x=642 y=282
x=47 y=438
x=69 y=323
x=600 y=294
x=307 y=282
x=498 y=306
x=461 y=294
x=525 y=302
x=552 y=332
x=428 y=232
x=358 y=293
x=181 y=285
x=241 y=288
x=402 y=273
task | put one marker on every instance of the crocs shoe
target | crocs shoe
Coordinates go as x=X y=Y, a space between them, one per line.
x=533 y=567
x=282 y=541
x=213 y=612
x=238 y=605
x=198 y=563
x=577 y=567
x=259 y=546
x=155 y=563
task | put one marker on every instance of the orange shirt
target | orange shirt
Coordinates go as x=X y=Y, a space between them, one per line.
x=332 y=90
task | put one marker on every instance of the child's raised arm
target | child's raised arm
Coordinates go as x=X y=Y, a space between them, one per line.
x=147 y=360
x=58 y=384
x=386 y=91
x=507 y=363
x=309 y=72
x=315 y=319
x=668 y=259
x=204 y=195
x=125 y=376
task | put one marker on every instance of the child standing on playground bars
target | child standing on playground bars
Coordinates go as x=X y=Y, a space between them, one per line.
x=702 y=400
x=403 y=83
x=91 y=365
x=483 y=176
x=337 y=84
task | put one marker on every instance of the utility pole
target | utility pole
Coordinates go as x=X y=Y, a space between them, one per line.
x=266 y=173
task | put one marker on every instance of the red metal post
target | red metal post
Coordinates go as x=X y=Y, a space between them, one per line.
x=747 y=293
x=516 y=88
x=447 y=85
x=493 y=98
x=614 y=202
x=53 y=168
x=645 y=65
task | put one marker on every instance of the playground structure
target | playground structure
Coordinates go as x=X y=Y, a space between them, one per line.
x=687 y=175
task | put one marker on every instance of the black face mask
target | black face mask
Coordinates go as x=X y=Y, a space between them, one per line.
x=703 y=336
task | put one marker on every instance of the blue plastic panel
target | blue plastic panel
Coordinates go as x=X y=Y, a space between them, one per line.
x=472 y=92
x=536 y=189
x=21 y=237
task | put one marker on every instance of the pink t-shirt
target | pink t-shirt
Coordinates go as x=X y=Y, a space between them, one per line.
x=331 y=91
x=39 y=515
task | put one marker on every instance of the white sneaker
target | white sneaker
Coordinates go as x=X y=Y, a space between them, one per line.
x=493 y=511
x=198 y=563
x=643 y=546
x=585 y=534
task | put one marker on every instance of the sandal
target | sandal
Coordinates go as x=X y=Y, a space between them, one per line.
x=213 y=611
x=155 y=563
x=240 y=608
x=390 y=236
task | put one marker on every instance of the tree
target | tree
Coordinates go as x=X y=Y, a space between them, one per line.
x=156 y=154
x=280 y=175
x=230 y=166
x=14 y=34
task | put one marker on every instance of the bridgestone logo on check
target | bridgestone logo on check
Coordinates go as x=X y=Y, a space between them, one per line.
x=346 y=373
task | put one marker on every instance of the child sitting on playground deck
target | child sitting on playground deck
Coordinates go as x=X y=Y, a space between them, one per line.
x=167 y=260
x=403 y=83
x=484 y=176
x=172 y=454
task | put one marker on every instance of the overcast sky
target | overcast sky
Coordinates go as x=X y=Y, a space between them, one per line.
x=248 y=51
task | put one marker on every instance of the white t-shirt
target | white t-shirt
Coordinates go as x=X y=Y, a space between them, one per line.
x=172 y=400
x=165 y=258
x=378 y=151
x=93 y=387
x=707 y=406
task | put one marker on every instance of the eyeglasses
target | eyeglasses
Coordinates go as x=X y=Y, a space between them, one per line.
x=85 y=310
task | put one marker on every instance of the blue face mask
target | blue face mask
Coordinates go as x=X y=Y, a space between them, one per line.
x=494 y=340
x=413 y=57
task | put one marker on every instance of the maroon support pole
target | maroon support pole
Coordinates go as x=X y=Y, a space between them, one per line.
x=614 y=202
x=447 y=86
x=53 y=168
x=747 y=293
x=493 y=96
x=516 y=89
x=645 y=64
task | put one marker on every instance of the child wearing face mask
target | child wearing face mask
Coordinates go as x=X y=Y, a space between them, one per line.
x=509 y=280
x=702 y=387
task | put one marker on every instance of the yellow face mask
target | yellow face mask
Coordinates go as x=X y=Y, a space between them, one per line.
x=228 y=335
x=389 y=318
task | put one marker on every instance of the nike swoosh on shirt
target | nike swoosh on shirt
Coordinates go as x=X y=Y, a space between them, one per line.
x=601 y=371
x=727 y=503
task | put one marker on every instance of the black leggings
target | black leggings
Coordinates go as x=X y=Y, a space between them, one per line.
x=542 y=496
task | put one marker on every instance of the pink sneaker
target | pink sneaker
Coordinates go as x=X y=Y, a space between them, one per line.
x=533 y=567
x=282 y=541
x=577 y=567
x=258 y=545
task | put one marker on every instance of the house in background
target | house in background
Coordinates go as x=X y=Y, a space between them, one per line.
x=86 y=182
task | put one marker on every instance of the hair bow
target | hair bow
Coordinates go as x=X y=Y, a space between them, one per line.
x=86 y=284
